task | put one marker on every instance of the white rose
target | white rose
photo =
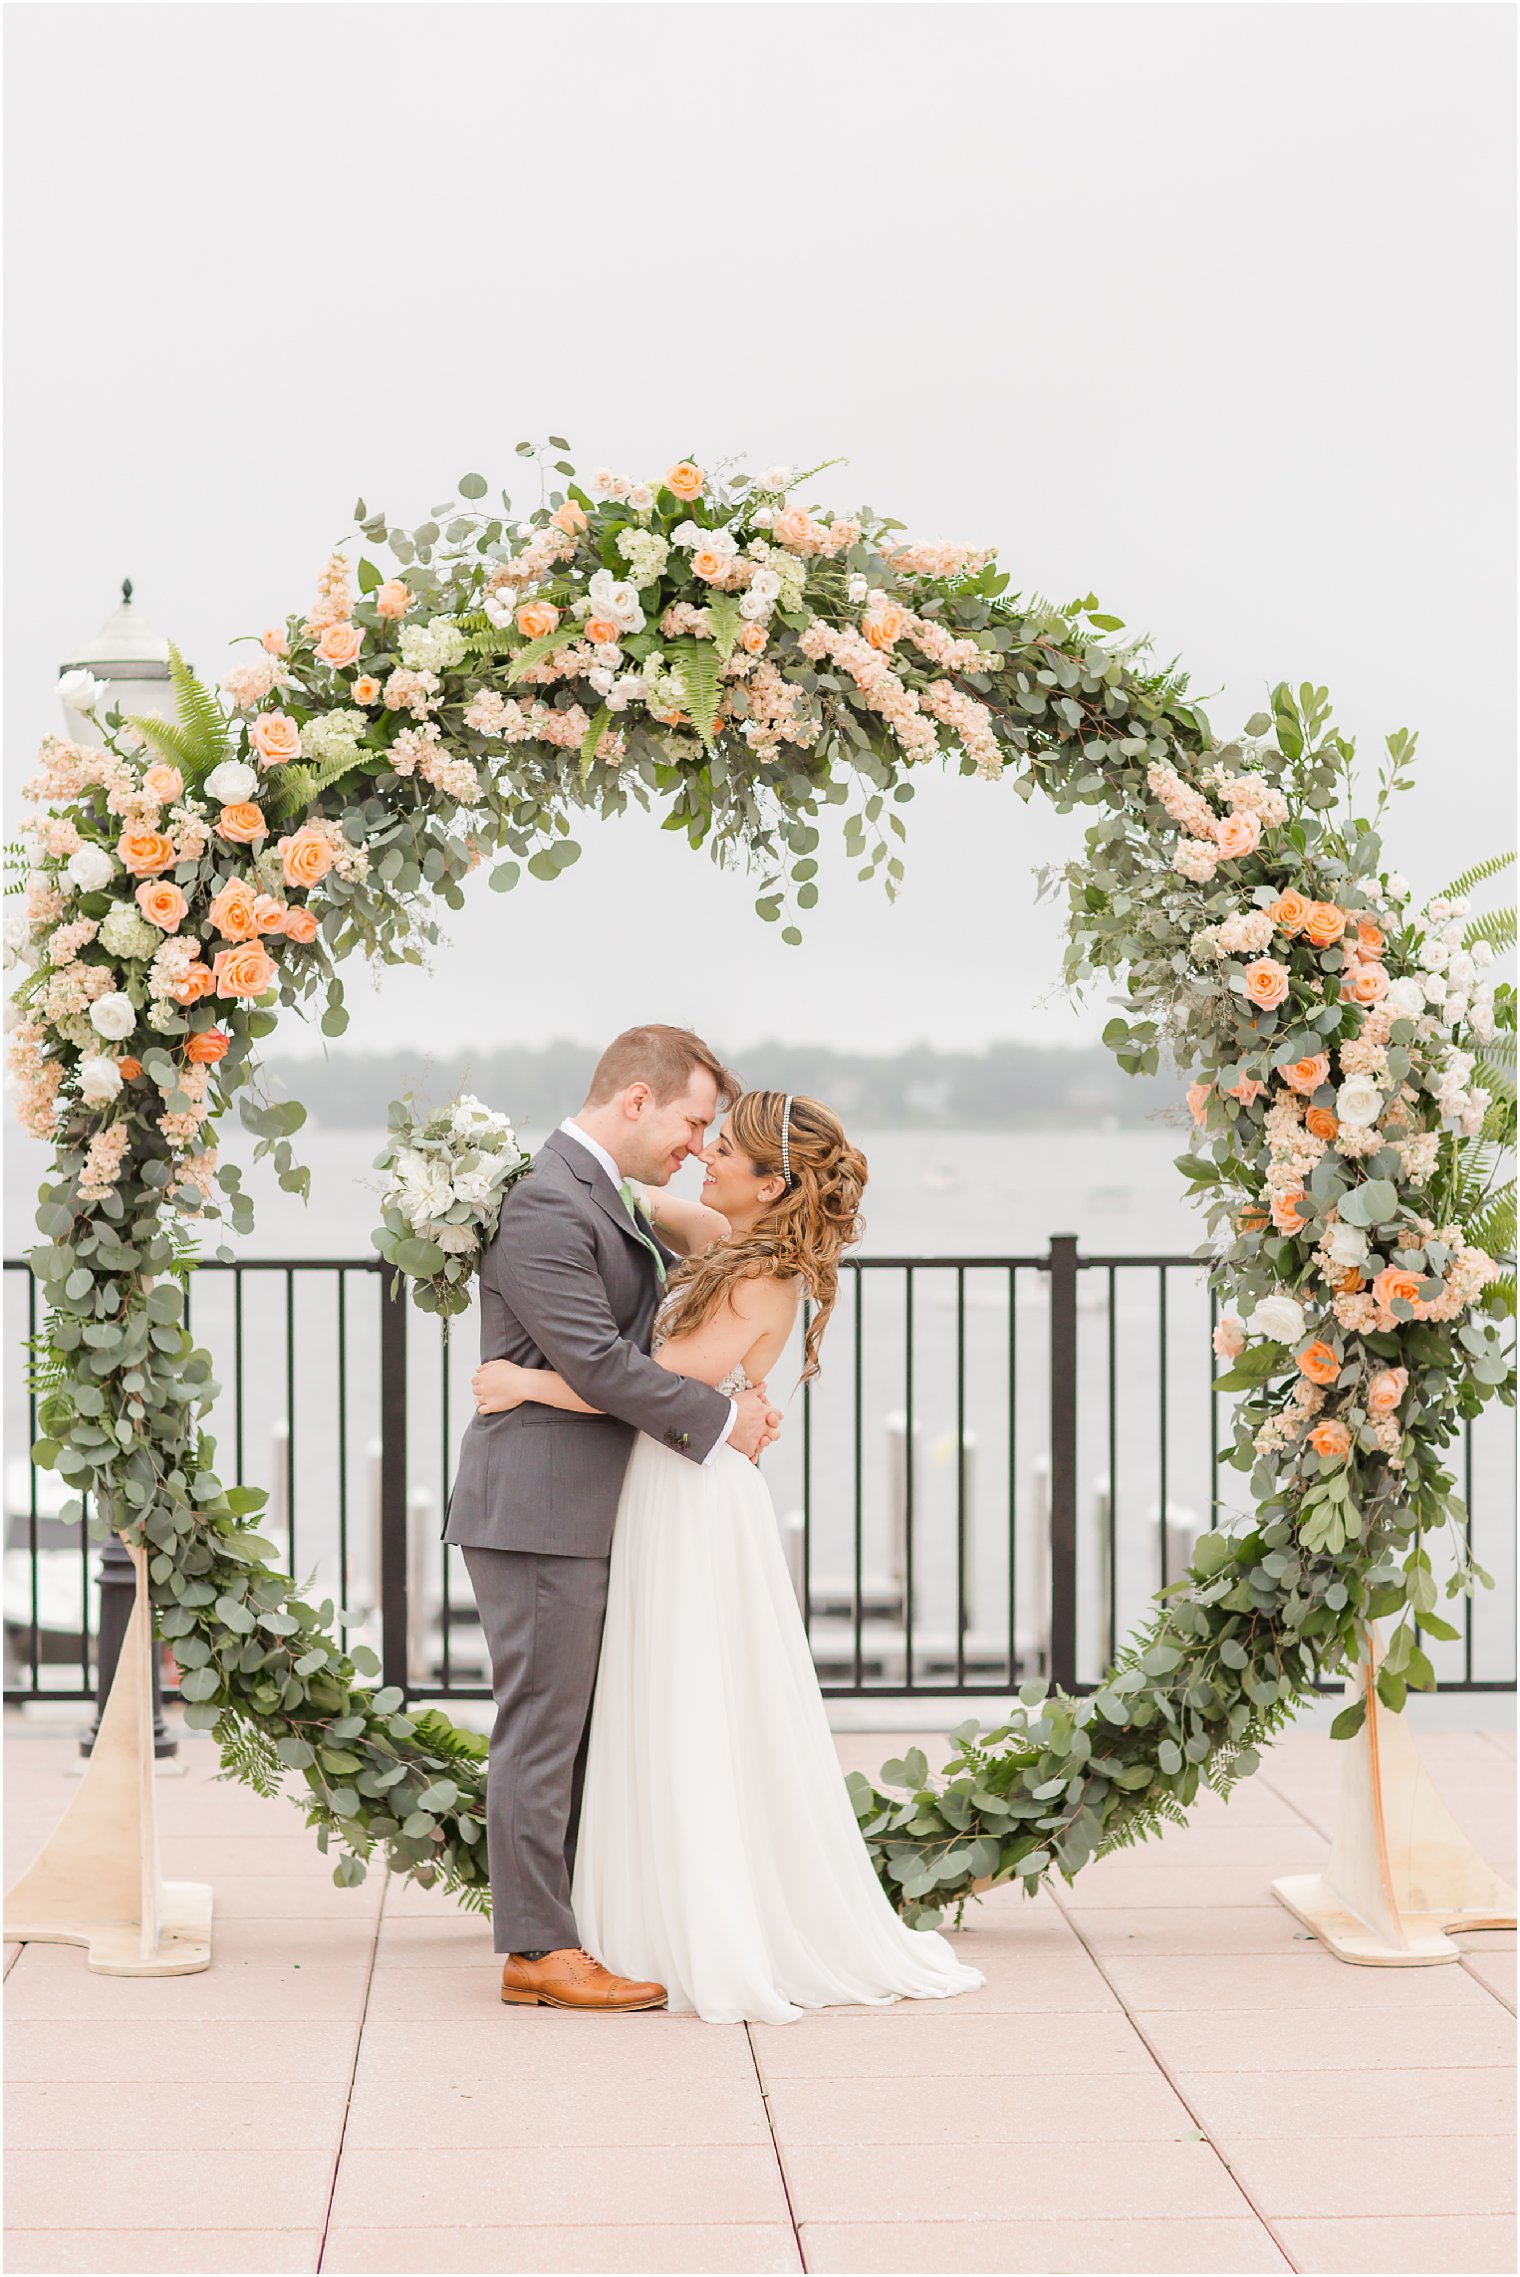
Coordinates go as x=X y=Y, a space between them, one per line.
x=766 y=583
x=1405 y=998
x=455 y=1240
x=469 y=1114
x=641 y=498
x=856 y=590
x=81 y=691
x=756 y=607
x=1438 y=911
x=1456 y=1007
x=777 y=478
x=501 y=606
x=1399 y=887
x=1358 y=1102
x=89 y=868
x=600 y=678
x=1461 y=972
x=1347 y=1244
x=99 y=1080
x=1481 y=1018
x=233 y=781
x=764 y=518
x=1459 y=907
x=113 y=1016
x=1452 y=934
x=686 y=533
x=1279 y=1316
x=1482 y=953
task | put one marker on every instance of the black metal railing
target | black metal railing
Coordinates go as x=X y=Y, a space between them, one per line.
x=1004 y=1459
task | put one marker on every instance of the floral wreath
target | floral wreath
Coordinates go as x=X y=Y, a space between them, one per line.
x=705 y=644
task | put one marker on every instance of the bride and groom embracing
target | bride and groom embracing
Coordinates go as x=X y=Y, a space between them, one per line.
x=666 y=1818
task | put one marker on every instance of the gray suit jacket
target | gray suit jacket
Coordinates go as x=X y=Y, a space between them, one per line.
x=567 y=1284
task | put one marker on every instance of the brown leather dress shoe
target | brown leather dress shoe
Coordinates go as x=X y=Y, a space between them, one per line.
x=570 y=1978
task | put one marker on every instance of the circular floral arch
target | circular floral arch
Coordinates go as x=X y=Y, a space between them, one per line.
x=706 y=646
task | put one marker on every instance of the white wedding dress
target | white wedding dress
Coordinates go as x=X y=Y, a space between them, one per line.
x=718 y=1851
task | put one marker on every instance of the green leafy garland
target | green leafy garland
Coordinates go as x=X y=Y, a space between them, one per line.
x=700 y=644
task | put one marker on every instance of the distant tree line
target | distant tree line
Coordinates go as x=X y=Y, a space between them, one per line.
x=1007 y=1086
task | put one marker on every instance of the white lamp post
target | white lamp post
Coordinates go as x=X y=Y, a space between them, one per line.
x=128 y=661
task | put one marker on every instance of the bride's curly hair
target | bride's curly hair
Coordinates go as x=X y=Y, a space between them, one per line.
x=803 y=1232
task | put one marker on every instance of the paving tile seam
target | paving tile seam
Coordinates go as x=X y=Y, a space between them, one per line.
x=348 y=2084
x=765 y=2105
x=1247 y=2199
x=1493 y=1992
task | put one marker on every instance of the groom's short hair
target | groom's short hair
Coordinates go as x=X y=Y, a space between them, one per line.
x=664 y=1058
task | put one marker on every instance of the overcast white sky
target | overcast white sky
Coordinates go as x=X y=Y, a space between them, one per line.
x=1205 y=308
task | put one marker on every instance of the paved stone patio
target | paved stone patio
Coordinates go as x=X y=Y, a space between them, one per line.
x=1162 y=2074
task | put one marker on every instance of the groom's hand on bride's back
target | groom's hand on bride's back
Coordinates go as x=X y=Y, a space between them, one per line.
x=758 y=1422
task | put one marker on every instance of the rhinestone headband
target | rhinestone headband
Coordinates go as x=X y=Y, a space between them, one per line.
x=786 y=1153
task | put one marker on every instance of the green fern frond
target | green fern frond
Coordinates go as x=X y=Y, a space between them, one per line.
x=201 y=716
x=171 y=738
x=444 y=1738
x=1496 y=927
x=1499 y=1296
x=1494 y=1230
x=300 y=786
x=536 y=650
x=1479 y=874
x=697 y=663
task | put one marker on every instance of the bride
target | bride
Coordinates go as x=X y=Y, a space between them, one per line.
x=718 y=1851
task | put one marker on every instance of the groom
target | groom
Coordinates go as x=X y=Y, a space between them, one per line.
x=572 y=1281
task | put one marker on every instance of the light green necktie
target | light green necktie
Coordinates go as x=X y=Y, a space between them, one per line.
x=634 y=1212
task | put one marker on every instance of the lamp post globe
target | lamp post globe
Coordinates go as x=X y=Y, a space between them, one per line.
x=124 y=668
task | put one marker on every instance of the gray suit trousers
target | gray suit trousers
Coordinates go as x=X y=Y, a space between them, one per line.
x=542 y=1618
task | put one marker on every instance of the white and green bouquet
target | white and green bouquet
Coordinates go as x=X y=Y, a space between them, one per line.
x=446 y=1176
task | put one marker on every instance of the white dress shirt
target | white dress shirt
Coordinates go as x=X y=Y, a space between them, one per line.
x=599 y=1154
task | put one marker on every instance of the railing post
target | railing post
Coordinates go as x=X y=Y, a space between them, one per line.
x=393 y=1576
x=1063 y=1459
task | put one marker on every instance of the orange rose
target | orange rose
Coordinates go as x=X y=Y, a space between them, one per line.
x=886 y=626
x=1307 y=1075
x=1320 y=1123
x=1237 y=835
x=1251 y=1221
x=145 y=852
x=1289 y=914
x=1247 y=1090
x=1386 y=1391
x=244 y=971
x=537 y=619
x=1285 y=1212
x=1324 y=923
x=752 y=637
x=1318 y=1363
x=1371 y=940
x=1198 y=1100
x=393 y=599
x=307 y=857
x=1331 y=1439
x=268 y=914
x=205 y=1049
x=1266 y=982
x=197 y=981
x=1348 y=1283
x=233 y=911
x=366 y=689
x=163 y=783
x=685 y=480
x=242 y=824
x=129 y=1069
x=570 y=518
x=1367 y=984
x=794 y=527
x=340 y=646
x=162 y=903
x=602 y=631
x=275 y=737
x=300 y=925
x=1397 y=1284
x=710 y=565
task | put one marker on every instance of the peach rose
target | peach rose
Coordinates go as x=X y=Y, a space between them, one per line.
x=1307 y=1075
x=245 y=971
x=1318 y=1363
x=205 y=1049
x=162 y=903
x=1251 y=1221
x=1237 y=834
x=710 y=565
x=163 y=783
x=1320 y=1123
x=232 y=911
x=307 y=857
x=275 y=737
x=537 y=619
x=196 y=981
x=602 y=631
x=1348 y=1283
x=340 y=646
x=1248 y=1090
x=794 y=527
x=1285 y=1211
x=887 y=625
x=366 y=689
x=1324 y=923
x=1367 y=984
x=1198 y=1100
x=1331 y=1439
x=393 y=599
x=752 y=637
x=570 y=518
x=1395 y=1284
x=145 y=852
x=1386 y=1391
x=1290 y=912
x=1266 y=982
x=300 y=924
x=274 y=641
x=1371 y=940
x=242 y=824
x=685 y=480
x=1229 y=1338
x=268 y=914
x=129 y=1069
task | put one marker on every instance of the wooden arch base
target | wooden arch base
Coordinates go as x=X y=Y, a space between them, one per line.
x=1401 y=1871
x=97 y=1881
